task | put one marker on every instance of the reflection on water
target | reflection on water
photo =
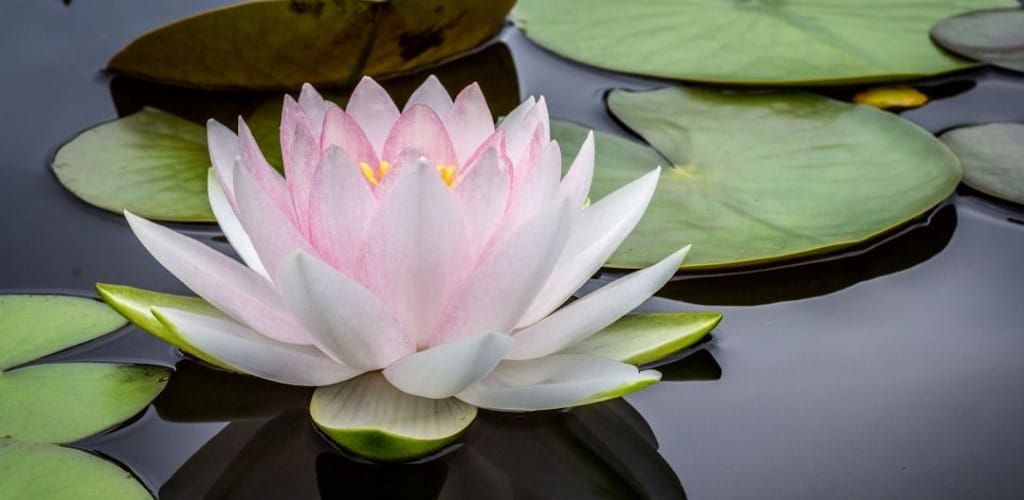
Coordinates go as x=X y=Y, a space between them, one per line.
x=272 y=450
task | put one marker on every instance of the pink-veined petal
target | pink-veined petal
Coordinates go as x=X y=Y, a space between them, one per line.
x=576 y=183
x=599 y=230
x=469 y=122
x=252 y=353
x=446 y=369
x=300 y=167
x=293 y=117
x=483 y=194
x=558 y=381
x=344 y=319
x=534 y=184
x=594 y=311
x=269 y=181
x=431 y=93
x=496 y=141
x=413 y=250
x=272 y=233
x=420 y=128
x=496 y=293
x=225 y=283
x=341 y=206
x=314 y=106
x=372 y=108
x=231 y=226
x=518 y=137
x=341 y=130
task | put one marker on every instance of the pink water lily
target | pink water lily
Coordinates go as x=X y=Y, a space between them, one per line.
x=425 y=243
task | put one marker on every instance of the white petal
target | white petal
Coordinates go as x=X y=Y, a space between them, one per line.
x=372 y=108
x=223 y=145
x=231 y=226
x=483 y=193
x=469 y=122
x=594 y=311
x=433 y=94
x=225 y=283
x=558 y=381
x=446 y=369
x=601 y=228
x=252 y=353
x=344 y=319
x=576 y=183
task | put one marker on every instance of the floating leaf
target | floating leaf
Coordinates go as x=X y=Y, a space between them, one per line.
x=151 y=163
x=368 y=416
x=750 y=42
x=993 y=36
x=993 y=158
x=891 y=97
x=760 y=177
x=645 y=338
x=63 y=402
x=43 y=471
x=33 y=326
x=281 y=44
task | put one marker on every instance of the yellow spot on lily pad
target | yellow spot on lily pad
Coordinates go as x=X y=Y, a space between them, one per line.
x=891 y=97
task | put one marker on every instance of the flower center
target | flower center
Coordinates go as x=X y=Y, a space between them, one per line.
x=447 y=172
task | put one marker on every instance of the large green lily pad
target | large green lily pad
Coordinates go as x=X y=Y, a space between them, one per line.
x=993 y=158
x=993 y=36
x=751 y=41
x=759 y=177
x=281 y=44
x=32 y=326
x=151 y=163
x=33 y=471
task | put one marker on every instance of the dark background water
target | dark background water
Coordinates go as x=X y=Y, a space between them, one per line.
x=895 y=370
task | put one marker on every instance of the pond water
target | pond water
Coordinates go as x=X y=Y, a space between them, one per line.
x=894 y=370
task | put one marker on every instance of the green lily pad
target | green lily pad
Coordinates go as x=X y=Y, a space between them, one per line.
x=323 y=43
x=151 y=163
x=993 y=36
x=136 y=304
x=993 y=158
x=761 y=177
x=750 y=42
x=33 y=326
x=64 y=402
x=47 y=472
x=371 y=418
x=644 y=338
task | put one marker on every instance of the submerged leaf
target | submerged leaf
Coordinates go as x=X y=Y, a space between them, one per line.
x=993 y=36
x=43 y=471
x=760 y=177
x=750 y=42
x=368 y=416
x=993 y=158
x=281 y=44
x=33 y=326
x=891 y=97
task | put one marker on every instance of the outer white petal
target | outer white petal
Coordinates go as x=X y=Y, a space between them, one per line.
x=576 y=183
x=444 y=370
x=372 y=108
x=231 y=226
x=252 y=353
x=344 y=319
x=558 y=381
x=593 y=312
x=601 y=228
x=223 y=145
x=433 y=94
x=224 y=282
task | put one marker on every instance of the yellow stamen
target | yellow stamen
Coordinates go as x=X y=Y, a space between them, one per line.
x=447 y=174
x=368 y=173
x=384 y=167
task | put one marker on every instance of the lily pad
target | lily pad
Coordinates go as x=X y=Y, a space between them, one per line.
x=33 y=326
x=644 y=338
x=320 y=42
x=993 y=158
x=761 y=177
x=43 y=471
x=993 y=36
x=750 y=42
x=151 y=163
x=371 y=418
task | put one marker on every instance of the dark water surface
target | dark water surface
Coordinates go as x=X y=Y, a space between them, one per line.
x=895 y=370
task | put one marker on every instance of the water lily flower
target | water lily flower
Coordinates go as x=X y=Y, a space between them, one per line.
x=427 y=248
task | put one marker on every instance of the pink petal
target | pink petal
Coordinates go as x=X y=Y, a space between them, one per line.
x=300 y=166
x=497 y=292
x=576 y=183
x=431 y=93
x=226 y=284
x=372 y=108
x=520 y=133
x=420 y=128
x=344 y=319
x=270 y=182
x=314 y=106
x=341 y=206
x=341 y=130
x=534 y=184
x=496 y=140
x=483 y=194
x=413 y=252
x=292 y=117
x=271 y=231
x=469 y=122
